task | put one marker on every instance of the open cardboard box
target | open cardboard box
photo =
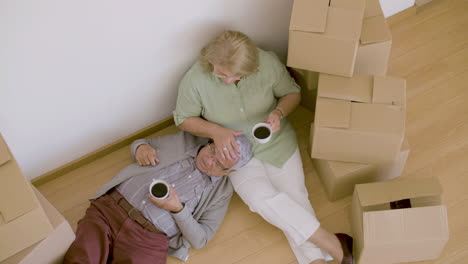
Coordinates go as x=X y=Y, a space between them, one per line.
x=324 y=35
x=52 y=249
x=375 y=42
x=23 y=221
x=359 y=119
x=385 y=235
x=339 y=178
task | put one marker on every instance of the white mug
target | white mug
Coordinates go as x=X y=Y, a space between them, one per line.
x=161 y=189
x=262 y=133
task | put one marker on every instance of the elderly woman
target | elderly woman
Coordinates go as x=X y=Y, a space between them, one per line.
x=233 y=86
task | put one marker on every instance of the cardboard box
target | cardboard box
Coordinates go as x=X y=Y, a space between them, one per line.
x=339 y=178
x=384 y=235
x=308 y=81
x=324 y=35
x=359 y=119
x=375 y=42
x=23 y=221
x=52 y=249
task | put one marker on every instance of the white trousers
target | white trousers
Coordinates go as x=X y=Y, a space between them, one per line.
x=279 y=195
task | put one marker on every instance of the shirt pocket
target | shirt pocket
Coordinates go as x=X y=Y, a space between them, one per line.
x=195 y=198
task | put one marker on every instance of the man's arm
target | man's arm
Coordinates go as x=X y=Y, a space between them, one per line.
x=198 y=233
x=199 y=127
x=153 y=142
x=170 y=148
x=144 y=151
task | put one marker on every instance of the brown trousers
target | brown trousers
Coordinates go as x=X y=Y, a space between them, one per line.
x=107 y=235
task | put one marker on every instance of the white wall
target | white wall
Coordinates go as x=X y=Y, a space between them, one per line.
x=77 y=75
x=391 y=7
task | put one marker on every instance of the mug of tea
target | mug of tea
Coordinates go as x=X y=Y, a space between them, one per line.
x=159 y=189
x=261 y=132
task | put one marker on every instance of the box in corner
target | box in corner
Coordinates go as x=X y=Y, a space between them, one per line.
x=52 y=249
x=20 y=209
x=399 y=221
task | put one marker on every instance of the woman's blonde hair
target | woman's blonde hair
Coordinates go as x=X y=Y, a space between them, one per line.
x=233 y=50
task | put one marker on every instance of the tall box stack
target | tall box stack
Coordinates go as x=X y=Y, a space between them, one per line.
x=23 y=221
x=371 y=36
x=359 y=131
x=398 y=221
x=338 y=53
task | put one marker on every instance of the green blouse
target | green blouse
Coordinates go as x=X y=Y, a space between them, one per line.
x=241 y=106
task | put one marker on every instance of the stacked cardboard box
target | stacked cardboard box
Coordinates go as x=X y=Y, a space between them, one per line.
x=308 y=81
x=359 y=119
x=20 y=209
x=338 y=178
x=375 y=42
x=26 y=220
x=52 y=249
x=359 y=131
x=339 y=52
x=314 y=49
x=324 y=35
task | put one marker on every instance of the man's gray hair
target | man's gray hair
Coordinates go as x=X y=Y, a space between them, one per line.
x=245 y=152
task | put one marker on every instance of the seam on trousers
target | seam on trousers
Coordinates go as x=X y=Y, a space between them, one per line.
x=302 y=222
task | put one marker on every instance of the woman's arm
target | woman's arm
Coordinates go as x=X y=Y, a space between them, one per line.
x=199 y=127
x=224 y=138
x=286 y=105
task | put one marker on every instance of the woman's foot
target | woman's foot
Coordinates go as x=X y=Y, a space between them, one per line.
x=347 y=245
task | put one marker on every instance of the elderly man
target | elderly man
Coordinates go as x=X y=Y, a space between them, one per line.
x=124 y=224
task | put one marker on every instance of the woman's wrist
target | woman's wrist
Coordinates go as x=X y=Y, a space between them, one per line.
x=280 y=112
x=215 y=131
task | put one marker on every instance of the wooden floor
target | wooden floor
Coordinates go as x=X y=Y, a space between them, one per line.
x=430 y=50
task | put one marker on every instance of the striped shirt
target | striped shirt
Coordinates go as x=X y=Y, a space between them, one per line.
x=188 y=182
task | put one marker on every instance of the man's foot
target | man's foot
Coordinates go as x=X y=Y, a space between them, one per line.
x=347 y=245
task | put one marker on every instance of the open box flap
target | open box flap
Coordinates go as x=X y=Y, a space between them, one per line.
x=357 y=89
x=309 y=15
x=385 y=192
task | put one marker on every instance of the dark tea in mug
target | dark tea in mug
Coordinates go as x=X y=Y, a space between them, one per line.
x=262 y=132
x=159 y=190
